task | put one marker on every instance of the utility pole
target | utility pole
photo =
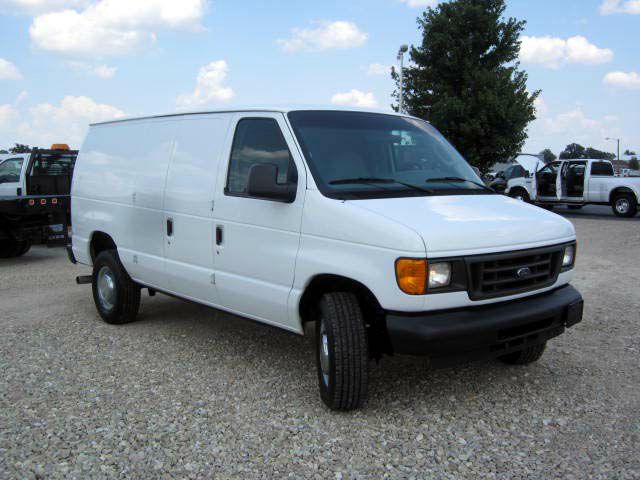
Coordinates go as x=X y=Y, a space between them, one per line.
x=401 y=52
x=617 y=140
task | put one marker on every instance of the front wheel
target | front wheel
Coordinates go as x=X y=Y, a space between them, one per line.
x=526 y=356
x=116 y=296
x=342 y=352
x=625 y=205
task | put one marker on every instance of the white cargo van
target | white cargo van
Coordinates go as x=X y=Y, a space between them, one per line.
x=370 y=225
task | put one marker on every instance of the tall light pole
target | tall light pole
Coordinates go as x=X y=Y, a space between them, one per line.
x=401 y=52
x=617 y=140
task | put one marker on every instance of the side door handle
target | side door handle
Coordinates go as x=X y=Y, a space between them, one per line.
x=169 y=227
x=219 y=236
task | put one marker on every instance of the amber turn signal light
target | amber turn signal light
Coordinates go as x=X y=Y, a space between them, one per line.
x=411 y=275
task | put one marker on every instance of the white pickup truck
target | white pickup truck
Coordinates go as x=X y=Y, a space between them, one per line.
x=575 y=183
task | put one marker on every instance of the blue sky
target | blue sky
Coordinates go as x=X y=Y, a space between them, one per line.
x=65 y=63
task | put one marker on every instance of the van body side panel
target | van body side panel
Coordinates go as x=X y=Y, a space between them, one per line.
x=119 y=190
x=188 y=205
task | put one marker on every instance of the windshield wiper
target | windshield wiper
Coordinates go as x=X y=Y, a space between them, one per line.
x=374 y=180
x=457 y=180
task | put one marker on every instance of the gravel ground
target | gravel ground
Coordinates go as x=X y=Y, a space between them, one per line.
x=188 y=392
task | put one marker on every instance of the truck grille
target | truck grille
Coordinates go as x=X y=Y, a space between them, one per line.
x=512 y=273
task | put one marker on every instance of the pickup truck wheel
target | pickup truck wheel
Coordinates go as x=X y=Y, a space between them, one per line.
x=6 y=247
x=342 y=352
x=22 y=248
x=624 y=205
x=116 y=296
x=520 y=194
x=526 y=356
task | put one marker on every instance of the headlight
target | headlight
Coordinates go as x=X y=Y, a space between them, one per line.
x=439 y=275
x=415 y=275
x=569 y=256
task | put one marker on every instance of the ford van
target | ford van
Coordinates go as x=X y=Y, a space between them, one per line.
x=369 y=227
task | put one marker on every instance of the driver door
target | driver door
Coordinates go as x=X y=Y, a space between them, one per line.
x=547 y=182
x=10 y=175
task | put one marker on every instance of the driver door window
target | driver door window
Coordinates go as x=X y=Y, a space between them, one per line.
x=10 y=170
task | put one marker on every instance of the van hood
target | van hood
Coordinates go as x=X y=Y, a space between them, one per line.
x=473 y=224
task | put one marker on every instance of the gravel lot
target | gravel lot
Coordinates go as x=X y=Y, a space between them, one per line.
x=188 y=392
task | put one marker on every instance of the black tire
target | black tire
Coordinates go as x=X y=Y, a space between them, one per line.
x=624 y=205
x=340 y=332
x=6 y=247
x=123 y=305
x=526 y=356
x=574 y=207
x=520 y=194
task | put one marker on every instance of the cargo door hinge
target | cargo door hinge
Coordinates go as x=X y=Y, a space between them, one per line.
x=213 y=279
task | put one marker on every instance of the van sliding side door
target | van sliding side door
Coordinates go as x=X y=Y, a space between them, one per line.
x=188 y=203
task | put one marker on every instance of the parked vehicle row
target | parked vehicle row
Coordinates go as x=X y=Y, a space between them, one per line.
x=370 y=225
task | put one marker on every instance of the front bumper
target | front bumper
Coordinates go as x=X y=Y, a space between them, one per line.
x=468 y=334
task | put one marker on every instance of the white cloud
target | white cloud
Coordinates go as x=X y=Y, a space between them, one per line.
x=610 y=7
x=355 y=98
x=102 y=71
x=38 y=6
x=210 y=86
x=45 y=123
x=329 y=35
x=630 y=80
x=22 y=96
x=421 y=3
x=8 y=71
x=378 y=69
x=553 y=52
x=8 y=114
x=113 y=27
x=541 y=106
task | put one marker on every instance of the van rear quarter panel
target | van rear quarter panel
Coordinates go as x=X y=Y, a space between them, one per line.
x=118 y=188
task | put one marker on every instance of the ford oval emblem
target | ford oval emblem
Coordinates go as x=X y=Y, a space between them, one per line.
x=523 y=272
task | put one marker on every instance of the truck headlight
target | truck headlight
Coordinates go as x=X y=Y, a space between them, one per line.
x=569 y=257
x=415 y=276
x=439 y=275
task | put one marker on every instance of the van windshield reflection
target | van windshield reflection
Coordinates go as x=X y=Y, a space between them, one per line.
x=370 y=155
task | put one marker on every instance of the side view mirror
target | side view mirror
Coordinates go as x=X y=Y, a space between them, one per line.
x=263 y=183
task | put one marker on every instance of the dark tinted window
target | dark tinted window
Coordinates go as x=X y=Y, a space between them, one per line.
x=341 y=146
x=602 y=168
x=257 y=141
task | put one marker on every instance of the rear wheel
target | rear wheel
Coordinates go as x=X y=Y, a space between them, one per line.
x=624 y=205
x=520 y=194
x=6 y=247
x=526 y=356
x=342 y=352
x=116 y=296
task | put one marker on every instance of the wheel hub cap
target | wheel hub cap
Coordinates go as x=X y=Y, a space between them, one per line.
x=106 y=288
x=622 y=205
x=324 y=353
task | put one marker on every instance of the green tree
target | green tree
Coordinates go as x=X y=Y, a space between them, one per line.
x=548 y=155
x=634 y=164
x=599 y=154
x=465 y=79
x=20 y=148
x=629 y=153
x=573 y=150
x=4 y=151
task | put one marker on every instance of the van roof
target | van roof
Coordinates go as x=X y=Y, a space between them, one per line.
x=286 y=109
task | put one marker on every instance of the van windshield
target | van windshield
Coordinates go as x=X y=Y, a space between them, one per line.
x=371 y=155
